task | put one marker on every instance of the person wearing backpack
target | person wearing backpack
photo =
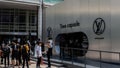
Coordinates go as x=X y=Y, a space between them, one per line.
x=25 y=55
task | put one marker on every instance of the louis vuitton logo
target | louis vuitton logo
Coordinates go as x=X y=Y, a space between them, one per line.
x=99 y=26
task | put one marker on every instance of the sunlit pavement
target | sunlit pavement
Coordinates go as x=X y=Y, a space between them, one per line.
x=33 y=65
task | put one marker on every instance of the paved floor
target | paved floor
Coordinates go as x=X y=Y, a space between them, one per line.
x=33 y=65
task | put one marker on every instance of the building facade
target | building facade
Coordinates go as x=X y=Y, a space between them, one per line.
x=20 y=18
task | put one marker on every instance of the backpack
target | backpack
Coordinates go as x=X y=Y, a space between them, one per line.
x=27 y=48
x=6 y=51
x=24 y=51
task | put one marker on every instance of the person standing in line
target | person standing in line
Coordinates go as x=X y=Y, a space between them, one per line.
x=6 y=54
x=19 y=52
x=25 y=55
x=18 y=55
x=39 y=54
x=1 y=51
x=51 y=45
x=49 y=52
x=35 y=54
x=2 y=46
x=29 y=52
x=14 y=52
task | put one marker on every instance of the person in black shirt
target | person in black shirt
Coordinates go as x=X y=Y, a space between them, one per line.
x=25 y=55
x=6 y=54
x=49 y=54
x=19 y=53
x=14 y=52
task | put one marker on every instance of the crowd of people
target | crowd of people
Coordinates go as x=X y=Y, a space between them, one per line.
x=16 y=53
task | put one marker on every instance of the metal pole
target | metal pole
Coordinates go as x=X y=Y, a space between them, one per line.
x=100 y=59
x=85 y=58
x=62 y=55
x=119 y=57
x=72 y=55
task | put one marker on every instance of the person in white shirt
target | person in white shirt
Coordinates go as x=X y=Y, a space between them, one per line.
x=49 y=51
x=39 y=54
x=51 y=46
x=35 y=54
x=51 y=43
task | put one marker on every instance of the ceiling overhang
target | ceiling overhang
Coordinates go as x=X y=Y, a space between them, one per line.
x=18 y=5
